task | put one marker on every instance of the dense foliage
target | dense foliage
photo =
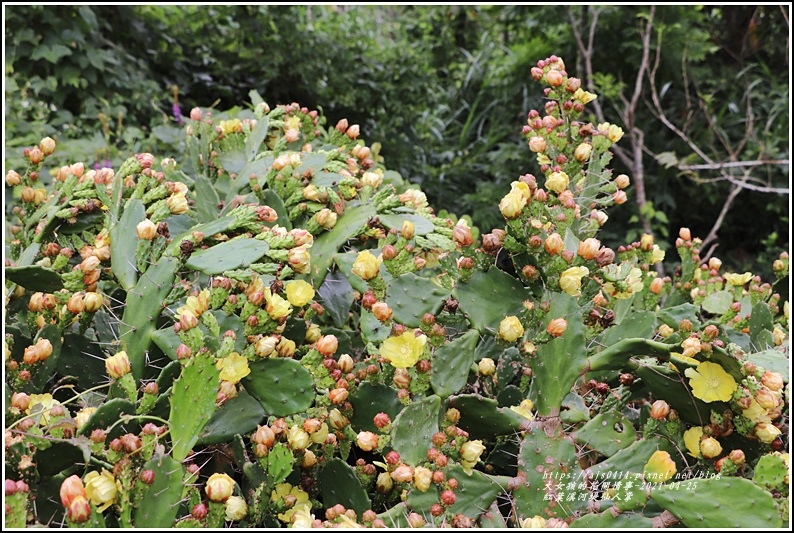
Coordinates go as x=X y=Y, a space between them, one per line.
x=440 y=88
x=276 y=329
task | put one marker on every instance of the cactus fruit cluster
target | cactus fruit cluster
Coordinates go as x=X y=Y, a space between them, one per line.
x=275 y=330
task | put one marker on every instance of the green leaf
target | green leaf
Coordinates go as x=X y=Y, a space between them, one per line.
x=341 y=485
x=336 y=296
x=52 y=53
x=282 y=386
x=124 y=244
x=237 y=253
x=451 y=364
x=326 y=245
x=35 y=278
x=718 y=303
x=493 y=286
x=255 y=138
x=279 y=463
x=422 y=226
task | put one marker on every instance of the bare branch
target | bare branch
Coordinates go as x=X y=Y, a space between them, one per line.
x=733 y=164
x=744 y=185
x=718 y=223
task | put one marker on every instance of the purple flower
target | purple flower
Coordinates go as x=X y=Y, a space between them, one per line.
x=107 y=163
x=177 y=111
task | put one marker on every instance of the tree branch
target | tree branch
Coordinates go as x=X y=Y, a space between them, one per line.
x=733 y=164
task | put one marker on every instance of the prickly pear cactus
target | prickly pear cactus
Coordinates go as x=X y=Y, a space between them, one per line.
x=276 y=330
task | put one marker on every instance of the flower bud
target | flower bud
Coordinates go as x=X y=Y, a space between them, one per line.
x=146 y=230
x=537 y=144
x=402 y=474
x=659 y=410
x=486 y=366
x=710 y=447
x=772 y=380
x=620 y=197
x=407 y=230
x=462 y=235
x=622 y=181
x=553 y=244
x=382 y=311
x=71 y=488
x=219 y=487
x=384 y=483
x=353 y=131
x=327 y=345
x=177 y=204
x=47 y=145
x=188 y=320
x=766 y=432
x=367 y=441
x=510 y=329
x=557 y=327
x=766 y=398
x=582 y=152
x=79 y=510
x=657 y=285
x=93 y=301
x=35 y=155
x=737 y=457
x=554 y=78
x=338 y=420
x=13 y=178
x=557 y=182
x=338 y=395
x=366 y=265
x=117 y=365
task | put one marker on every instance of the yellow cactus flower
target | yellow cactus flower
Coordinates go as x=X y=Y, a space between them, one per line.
x=299 y=292
x=524 y=409
x=101 y=489
x=302 y=517
x=510 y=329
x=41 y=403
x=293 y=497
x=517 y=187
x=614 y=133
x=659 y=468
x=571 y=280
x=366 y=265
x=536 y=522
x=234 y=125
x=403 y=351
x=557 y=182
x=219 y=487
x=692 y=438
x=584 y=96
x=470 y=454
x=657 y=254
x=277 y=307
x=737 y=280
x=83 y=415
x=233 y=367
x=710 y=382
x=511 y=205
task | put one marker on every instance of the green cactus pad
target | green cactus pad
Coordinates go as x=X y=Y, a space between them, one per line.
x=475 y=492
x=207 y=199
x=143 y=306
x=607 y=520
x=341 y=485
x=44 y=370
x=208 y=229
x=717 y=303
x=282 y=386
x=773 y=360
x=720 y=503
x=664 y=382
x=279 y=463
x=81 y=359
x=344 y=261
x=159 y=504
x=108 y=414
x=638 y=324
x=549 y=461
x=422 y=226
x=368 y=400
x=493 y=286
x=62 y=455
x=336 y=296
x=237 y=253
x=508 y=367
x=413 y=428
x=372 y=330
x=633 y=458
x=124 y=244
x=672 y=316
x=761 y=325
x=574 y=410
x=771 y=473
x=492 y=518
x=35 y=278
x=607 y=433
x=509 y=396
x=396 y=517
x=327 y=244
x=192 y=403
x=482 y=416
x=271 y=199
x=451 y=364
x=411 y=296
x=239 y=415
x=560 y=361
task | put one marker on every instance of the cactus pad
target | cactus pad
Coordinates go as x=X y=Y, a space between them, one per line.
x=341 y=485
x=124 y=247
x=482 y=416
x=493 y=286
x=160 y=501
x=192 y=403
x=35 y=278
x=451 y=364
x=410 y=297
x=607 y=433
x=240 y=415
x=368 y=400
x=237 y=253
x=414 y=427
x=282 y=386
